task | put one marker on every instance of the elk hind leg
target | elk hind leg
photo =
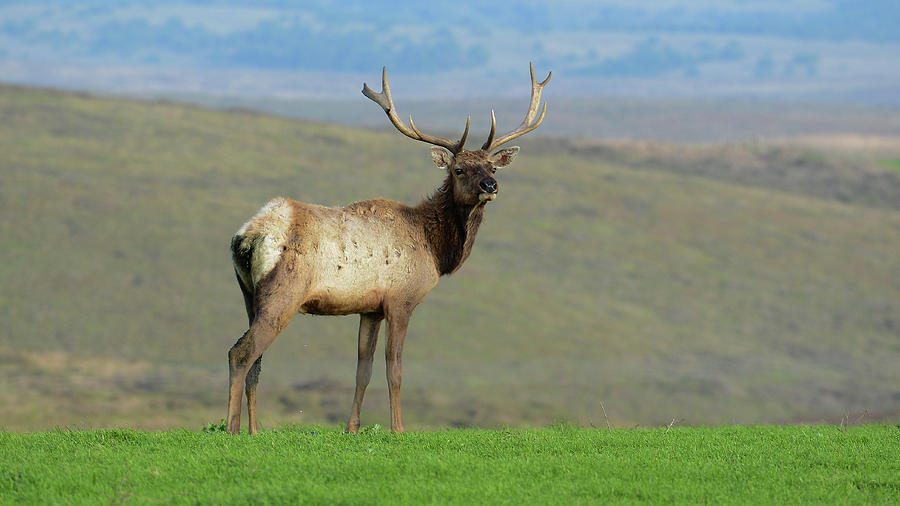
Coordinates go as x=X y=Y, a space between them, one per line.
x=267 y=324
x=253 y=374
x=250 y=389
x=237 y=356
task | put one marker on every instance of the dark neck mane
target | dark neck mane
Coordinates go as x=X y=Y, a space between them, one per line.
x=450 y=228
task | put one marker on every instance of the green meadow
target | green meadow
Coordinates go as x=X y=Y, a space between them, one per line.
x=556 y=465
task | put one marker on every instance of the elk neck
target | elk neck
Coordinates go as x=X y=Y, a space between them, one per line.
x=450 y=228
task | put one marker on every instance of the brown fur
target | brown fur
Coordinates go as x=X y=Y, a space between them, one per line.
x=450 y=228
x=376 y=258
x=412 y=247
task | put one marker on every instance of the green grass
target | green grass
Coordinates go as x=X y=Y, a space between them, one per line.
x=557 y=465
x=891 y=164
x=730 y=293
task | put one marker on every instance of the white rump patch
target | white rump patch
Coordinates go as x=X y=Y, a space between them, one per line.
x=261 y=214
x=266 y=234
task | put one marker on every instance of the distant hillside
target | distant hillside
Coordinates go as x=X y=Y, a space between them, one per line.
x=830 y=167
x=642 y=276
x=708 y=120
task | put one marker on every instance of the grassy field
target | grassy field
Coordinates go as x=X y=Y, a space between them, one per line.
x=557 y=465
x=747 y=283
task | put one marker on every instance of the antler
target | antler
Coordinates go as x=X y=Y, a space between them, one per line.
x=527 y=124
x=384 y=100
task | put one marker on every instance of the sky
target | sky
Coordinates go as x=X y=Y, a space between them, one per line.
x=831 y=50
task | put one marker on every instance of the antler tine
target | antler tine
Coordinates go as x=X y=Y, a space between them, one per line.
x=440 y=141
x=487 y=144
x=462 y=140
x=387 y=103
x=526 y=125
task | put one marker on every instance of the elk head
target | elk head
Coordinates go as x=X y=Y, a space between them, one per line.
x=470 y=172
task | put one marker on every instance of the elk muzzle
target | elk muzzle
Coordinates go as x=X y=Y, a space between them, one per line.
x=489 y=188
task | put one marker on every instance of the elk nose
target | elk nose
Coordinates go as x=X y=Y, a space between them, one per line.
x=489 y=185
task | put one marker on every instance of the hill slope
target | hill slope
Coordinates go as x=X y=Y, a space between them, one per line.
x=658 y=292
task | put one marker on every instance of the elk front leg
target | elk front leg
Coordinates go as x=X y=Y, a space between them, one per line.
x=368 y=336
x=393 y=353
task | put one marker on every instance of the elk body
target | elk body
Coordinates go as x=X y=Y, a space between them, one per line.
x=376 y=258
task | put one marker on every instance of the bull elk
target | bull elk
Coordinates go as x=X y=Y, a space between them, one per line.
x=377 y=258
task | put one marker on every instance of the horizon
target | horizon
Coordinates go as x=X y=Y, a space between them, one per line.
x=820 y=51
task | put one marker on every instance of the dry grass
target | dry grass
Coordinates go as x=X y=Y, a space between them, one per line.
x=720 y=283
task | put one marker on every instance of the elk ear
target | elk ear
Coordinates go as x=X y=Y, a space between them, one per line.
x=505 y=156
x=441 y=157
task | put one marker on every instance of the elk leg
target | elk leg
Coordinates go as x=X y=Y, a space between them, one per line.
x=250 y=389
x=237 y=356
x=264 y=329
x=248 y=298
x=393 y=351
x=253 y=374
x=368 y=336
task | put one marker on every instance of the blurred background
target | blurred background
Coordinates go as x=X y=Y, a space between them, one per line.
x=706 y=227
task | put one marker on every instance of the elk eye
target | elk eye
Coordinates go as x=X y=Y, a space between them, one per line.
x=459 y=172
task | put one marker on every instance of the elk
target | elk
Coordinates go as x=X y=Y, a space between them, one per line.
x=376 y=258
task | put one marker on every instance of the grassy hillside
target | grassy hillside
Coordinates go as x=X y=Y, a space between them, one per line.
x=558 y=465
x=857 y=170
x=600 y=276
